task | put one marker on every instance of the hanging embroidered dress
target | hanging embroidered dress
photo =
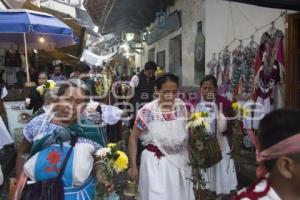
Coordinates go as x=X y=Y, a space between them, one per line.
x=164 y=171
x=269 y=71
x=212 y=65
x=226 y=68
x=248 y=73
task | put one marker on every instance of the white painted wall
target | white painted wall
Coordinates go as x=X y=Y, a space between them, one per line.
x=192 y=11
x=223 y=21
x=226 y=21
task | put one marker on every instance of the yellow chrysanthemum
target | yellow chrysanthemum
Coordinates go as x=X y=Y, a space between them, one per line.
x=199 y=115
x=52 y=84
x=111 y=145
x=41 y=90
x=246 y=112
x=206 y=125
x=121 y=163
x=235 y=106
x=159 y=71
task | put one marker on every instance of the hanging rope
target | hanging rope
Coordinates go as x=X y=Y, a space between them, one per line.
x=245 y=16
x=232 y=21
x=282 y=14
x=108 y=13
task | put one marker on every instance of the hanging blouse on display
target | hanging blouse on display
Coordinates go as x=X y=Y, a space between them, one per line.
x=212 y=66
x=248 y=72
x=238 y=64
x=224 y=74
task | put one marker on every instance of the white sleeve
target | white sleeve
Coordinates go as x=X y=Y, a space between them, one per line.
x=4 y=92
x=134 y=81
x=111 y=114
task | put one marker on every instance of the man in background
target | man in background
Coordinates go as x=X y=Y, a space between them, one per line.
x=57 y=75
x=142 y=87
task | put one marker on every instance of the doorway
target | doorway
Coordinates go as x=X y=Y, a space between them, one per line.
x=292 y=76
x=175 y=57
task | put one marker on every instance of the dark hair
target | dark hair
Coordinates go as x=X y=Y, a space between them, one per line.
x=44 y=72
x=72 y=83
x=277 y=126
x=150 y=65
x=162 y=79
x=82 y=68
x=209 y=78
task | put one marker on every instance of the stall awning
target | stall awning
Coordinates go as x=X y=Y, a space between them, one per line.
x=62 y=53
x=280 y=4
x=95 y=60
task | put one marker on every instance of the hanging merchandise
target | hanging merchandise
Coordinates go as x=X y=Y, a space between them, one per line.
x=248 y=72
x=270 y=72
x=219 y=70
x=269 y=78
x=224 y=88
x=212 y=66
x=238 y=64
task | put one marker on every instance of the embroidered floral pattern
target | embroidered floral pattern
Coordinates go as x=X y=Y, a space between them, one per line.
x=54 y=158
x=149 y=116
x=33 y=130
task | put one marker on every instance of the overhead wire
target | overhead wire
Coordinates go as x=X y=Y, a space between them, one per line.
x=282 y=14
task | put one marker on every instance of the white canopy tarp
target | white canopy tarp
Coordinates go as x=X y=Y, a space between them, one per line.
x=93 y=59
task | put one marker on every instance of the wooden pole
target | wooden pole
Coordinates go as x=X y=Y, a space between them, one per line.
x=26 y=58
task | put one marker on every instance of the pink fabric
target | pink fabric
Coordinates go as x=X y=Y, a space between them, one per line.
x=286 y=147
x=280 y=52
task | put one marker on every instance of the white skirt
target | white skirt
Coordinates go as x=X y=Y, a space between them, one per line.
x=160 y=180
x=221 y=178
x=4 y=134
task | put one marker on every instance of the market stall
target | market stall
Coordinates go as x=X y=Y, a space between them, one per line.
x=22 y=30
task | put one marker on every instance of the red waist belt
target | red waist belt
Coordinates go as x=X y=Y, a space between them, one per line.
x=155 y=150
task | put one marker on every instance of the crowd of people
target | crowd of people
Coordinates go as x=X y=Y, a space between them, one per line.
x=69 y=127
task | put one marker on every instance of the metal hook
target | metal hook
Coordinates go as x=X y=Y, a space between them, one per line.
x=273 y=24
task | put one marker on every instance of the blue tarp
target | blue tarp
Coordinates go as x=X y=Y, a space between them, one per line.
x=36 y=25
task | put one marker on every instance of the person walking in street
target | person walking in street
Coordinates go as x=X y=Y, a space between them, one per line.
x=47 y=154
x=278 y=155
x=164 y=172
x=220 y=178
x=141 y=90
x=35 y=99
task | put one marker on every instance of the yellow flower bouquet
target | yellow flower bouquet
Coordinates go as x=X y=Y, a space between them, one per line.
x=204 y=149
x=49 y=85
x=113 y=161
x=239 y=113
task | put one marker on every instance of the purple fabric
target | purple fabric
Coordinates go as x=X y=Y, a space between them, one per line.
x=222 y=103
x=280 y=53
